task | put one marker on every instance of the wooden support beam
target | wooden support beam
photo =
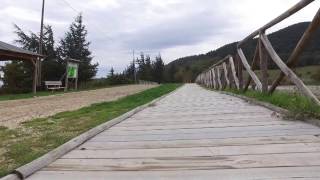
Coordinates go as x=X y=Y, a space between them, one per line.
x=224 y=65
x=247 y=67
x=294 y=57
x=287 y=71
x=219 y=79
x=239 y=71
x=35 y=76
x=213 y=78
x=263 y=65
x=234 y=73
x=297 y=7
x=253 y=66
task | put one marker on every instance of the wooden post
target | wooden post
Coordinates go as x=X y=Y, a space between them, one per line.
x=35 y=76
x=294 y=57
x=224 y=65
x=239 y=71
x=67 y=80
x=219 y=78
x=234 y=73
x=247 y=67
x=214 y=78
x=287 y=71
x=263 y=66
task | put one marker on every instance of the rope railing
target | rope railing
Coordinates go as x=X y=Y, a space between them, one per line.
x=228 y=72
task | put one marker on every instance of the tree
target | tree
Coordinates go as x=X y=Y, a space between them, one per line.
x=111 y=74
x=74 y=45
x=158 y=69
x=129 y=72
x=148 y=69
x=18 y=75
x=141 y=67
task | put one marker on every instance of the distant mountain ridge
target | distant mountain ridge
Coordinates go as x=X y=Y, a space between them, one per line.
x=284 y=41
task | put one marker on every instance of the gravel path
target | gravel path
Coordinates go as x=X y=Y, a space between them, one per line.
x=12 y=113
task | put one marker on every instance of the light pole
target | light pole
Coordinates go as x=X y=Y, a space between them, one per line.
x=40 y=43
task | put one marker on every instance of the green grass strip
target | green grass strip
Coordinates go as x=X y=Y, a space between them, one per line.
x=300 y=106
x=37 y=137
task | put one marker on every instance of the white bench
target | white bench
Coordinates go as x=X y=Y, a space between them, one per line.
x=53 y=85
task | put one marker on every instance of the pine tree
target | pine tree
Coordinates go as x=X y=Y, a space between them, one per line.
x=129 y=72
x=141 y=67
x=158 y=69
x=18 y=74
x=111 y=74
x=148 y=69
x=74 y=45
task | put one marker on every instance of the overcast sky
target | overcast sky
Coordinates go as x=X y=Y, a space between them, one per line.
x=174 y=28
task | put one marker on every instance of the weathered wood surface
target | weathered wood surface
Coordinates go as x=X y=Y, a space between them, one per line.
x=196 y=134
x=249 y=70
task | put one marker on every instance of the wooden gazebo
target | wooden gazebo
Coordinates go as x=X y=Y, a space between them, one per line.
x=13 y=53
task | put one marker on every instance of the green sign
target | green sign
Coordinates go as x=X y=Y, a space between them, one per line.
x=72 y=70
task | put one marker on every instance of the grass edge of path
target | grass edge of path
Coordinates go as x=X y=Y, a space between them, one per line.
x=299 y=106
x=39 y=136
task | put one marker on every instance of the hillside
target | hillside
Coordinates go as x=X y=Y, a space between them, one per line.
x=186 y=69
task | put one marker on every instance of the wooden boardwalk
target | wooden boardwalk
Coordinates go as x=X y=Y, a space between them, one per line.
x=195 y=134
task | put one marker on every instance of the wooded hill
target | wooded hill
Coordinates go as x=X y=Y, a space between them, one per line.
x=187 y=68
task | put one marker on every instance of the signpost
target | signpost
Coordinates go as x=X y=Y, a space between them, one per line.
x=72 y=70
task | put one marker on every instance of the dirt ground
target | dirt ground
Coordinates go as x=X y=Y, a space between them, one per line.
x=12 y=113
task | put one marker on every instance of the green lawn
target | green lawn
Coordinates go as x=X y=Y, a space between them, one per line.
x=37 y=137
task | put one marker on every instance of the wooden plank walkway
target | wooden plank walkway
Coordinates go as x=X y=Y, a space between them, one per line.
x=196 y=134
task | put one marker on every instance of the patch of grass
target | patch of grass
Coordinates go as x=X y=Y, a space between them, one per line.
x=298 y=105
x=39 y=136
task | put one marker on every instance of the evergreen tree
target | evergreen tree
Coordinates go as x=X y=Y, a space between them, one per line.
x=111 y=74
x=148 y=69
x=18 y=74
x=158 y=69
x=141 y=67
x=74 y=45
x=129 y=71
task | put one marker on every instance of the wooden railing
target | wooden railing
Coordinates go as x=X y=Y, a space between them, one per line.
x=229 y=71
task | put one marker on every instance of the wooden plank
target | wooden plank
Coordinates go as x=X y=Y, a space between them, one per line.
x=195 y=151
x=201 y=142
x=188 y=163
x=179 y=125
x=287 y=71
x=194 y=136
x=234 y=73
x=250 y=72
x=280 y=173
x=293 y=127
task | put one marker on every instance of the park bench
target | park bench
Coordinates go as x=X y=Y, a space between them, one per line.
x=53 y=85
